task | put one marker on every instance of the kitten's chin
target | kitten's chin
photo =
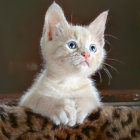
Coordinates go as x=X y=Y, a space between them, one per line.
x=84 y=63
x=83 y=66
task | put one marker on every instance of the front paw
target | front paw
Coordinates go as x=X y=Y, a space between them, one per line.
x=81 y=117
x=66 y=114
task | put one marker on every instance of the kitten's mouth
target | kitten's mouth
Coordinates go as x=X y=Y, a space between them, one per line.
x=84 y=63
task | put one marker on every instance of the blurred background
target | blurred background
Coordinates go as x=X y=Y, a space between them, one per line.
x=21 y=23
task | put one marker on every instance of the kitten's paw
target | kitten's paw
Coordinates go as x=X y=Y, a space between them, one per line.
x=70 y=111
x=60 y=117
x=81 y=117
x=66 y=114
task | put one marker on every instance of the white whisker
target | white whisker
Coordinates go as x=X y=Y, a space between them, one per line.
x=108 y=35
x=114 y=60
x=108 y=42
x=108 y=74
x=111 y=67
x=100 y=76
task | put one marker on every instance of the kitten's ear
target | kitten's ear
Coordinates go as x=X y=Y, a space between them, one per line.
x=97 y=27
x=55 y=21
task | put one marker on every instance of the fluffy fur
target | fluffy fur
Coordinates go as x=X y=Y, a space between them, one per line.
x=63 y=91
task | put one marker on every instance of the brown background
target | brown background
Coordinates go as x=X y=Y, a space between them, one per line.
x=21 y=23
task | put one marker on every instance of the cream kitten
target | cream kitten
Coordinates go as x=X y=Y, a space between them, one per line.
x=63 y=91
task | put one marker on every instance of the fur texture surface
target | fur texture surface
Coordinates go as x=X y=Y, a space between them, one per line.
x=104 y=123
x=64 y=91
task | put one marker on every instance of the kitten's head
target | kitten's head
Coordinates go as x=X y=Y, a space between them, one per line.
x=70 y=49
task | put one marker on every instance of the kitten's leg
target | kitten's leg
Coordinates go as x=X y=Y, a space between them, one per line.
x=66 y=114
x=71 y=111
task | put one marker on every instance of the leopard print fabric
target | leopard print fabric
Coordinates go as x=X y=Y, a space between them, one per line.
x=105 y=123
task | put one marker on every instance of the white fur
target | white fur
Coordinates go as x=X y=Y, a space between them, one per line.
x=63 y=91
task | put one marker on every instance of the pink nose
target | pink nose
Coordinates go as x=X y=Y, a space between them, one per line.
x=85 y=54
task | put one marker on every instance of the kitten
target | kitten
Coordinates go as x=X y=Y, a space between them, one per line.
x=63 y=91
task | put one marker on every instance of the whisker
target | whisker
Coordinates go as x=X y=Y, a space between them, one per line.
x=109 y=35
x=111 y=67
x=108 y=74
x=106 y=41
x=108 y=51
x=100 y=76
x=114 y=60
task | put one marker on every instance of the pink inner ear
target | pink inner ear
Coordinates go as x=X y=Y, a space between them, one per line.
x=52 y=32
x=50 y=35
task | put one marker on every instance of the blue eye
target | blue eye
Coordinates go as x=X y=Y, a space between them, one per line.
x=72 y=45
x=93 y=48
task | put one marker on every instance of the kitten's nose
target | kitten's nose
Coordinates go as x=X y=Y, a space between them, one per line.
x=85 y=54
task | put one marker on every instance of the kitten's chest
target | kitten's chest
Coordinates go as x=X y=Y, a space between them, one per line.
x=73 y=87
x=69 y=87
